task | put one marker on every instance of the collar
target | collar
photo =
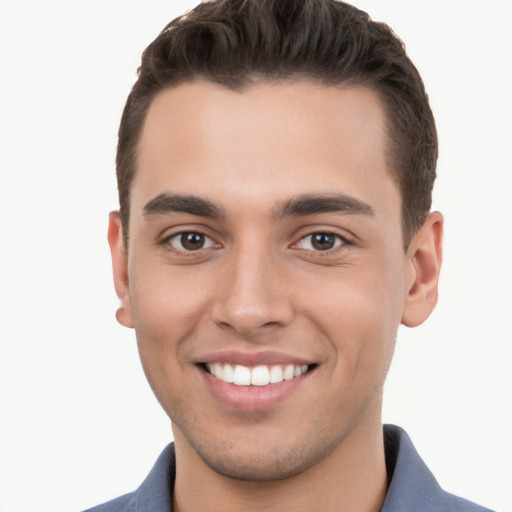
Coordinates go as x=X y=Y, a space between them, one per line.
x=412 y=486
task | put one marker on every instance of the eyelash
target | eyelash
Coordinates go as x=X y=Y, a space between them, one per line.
x=209 y=243
x=339 y=242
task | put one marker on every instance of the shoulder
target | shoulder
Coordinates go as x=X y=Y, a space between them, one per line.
x=154 y=494
x=411 y=484
x=451 y=503
x=125 y=503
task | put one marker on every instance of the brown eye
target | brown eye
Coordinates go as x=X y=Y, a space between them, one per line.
x=190 y=241
x=321 y=242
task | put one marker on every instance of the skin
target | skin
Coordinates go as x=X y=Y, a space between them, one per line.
x=259 y=284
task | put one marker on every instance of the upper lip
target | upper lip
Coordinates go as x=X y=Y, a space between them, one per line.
x=263 y=357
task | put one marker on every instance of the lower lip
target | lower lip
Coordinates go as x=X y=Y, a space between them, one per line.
x=252 y=398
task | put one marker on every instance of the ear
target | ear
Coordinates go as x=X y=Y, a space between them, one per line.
x=120 y=269
x=424 y=258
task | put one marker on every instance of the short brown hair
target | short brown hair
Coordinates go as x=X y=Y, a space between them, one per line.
x=237 y=43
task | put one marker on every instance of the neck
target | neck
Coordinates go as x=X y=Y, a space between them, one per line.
x=352 y=477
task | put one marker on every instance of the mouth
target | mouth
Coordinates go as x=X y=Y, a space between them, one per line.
x=260 y=375
x=257 y=381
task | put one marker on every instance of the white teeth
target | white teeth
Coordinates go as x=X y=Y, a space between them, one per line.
x=276 y=375
x=217 y=370
x=242 y=376
x=299 y=370
x=228 y=375
x=289 y=372
x=258 y=376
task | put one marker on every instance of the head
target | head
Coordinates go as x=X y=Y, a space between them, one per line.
x=275 y=166
x=239 y=43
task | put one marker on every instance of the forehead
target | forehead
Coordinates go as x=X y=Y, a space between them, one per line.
x=265 y=141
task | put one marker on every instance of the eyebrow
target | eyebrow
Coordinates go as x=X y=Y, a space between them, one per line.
x=312 y=204
x=167 y=202
x=306 y=204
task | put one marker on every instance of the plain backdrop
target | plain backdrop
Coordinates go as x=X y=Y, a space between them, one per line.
x=79 y=424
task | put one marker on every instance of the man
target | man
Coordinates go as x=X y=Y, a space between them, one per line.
x=275 y=167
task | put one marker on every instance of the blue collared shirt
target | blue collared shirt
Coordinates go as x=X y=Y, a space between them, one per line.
x=412 y=486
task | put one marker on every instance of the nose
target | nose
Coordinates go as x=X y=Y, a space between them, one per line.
x=252 y=295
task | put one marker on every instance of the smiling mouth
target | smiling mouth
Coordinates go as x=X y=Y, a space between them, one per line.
x=262 y=375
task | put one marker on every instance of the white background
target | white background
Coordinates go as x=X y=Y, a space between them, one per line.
x=79 y=424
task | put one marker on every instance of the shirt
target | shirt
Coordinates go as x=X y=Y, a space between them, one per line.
x=412 y=487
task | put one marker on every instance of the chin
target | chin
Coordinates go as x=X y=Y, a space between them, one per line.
x=262 y=461
x=257 y=468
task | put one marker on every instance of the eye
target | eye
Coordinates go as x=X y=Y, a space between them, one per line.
x=190 y=241
x=320 y=242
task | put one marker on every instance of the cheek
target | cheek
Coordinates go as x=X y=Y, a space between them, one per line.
x=167 y=310
x=166 y=302
x=360 y=312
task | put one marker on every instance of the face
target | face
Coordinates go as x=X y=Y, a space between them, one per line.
x=265 y=276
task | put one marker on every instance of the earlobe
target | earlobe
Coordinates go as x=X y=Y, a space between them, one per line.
x=120 y=269
x=424 y=258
